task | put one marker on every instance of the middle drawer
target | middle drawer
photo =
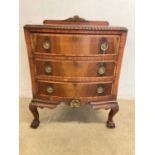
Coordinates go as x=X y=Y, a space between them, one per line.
x=75 y=68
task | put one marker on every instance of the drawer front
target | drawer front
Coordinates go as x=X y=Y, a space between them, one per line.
x=75 y=90
x=78 y=45
x=74 y=68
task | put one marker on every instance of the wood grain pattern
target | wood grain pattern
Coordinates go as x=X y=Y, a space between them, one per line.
x=77 y=45
x=74 y=68
x=72 y=89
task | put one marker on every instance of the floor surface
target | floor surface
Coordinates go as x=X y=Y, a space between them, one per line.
x=82 y=131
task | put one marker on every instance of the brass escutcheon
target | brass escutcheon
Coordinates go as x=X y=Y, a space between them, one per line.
x=75 y=103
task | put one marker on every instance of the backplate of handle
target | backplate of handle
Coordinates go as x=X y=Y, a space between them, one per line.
x=104 y=46
x=46 y=45
x=49 y=90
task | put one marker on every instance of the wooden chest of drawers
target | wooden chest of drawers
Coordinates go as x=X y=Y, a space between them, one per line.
x=75 y=62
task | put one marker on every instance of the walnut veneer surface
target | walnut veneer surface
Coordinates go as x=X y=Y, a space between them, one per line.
x=76 y=62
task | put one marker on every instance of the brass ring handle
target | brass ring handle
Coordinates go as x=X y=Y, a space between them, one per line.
x=49 y=89
x=46 y=45
x=104 y=46
x=75 y=103
x=101 y=70
x=48 y=69
x=100 y=90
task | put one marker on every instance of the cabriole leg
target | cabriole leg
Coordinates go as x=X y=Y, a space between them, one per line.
x=113 y=111
x=33 y=109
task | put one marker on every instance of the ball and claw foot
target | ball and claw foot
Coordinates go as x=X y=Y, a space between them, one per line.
x=35 y=124
x=110 y=124
x=33 y=109
x=113 y=111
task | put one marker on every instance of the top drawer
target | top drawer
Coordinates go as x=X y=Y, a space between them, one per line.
x=74 y=45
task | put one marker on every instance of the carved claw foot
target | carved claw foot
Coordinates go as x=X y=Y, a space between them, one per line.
x=35 y=124
x=113 y=111
x=110 y=124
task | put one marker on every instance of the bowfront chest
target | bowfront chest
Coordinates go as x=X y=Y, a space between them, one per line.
x=76 y=62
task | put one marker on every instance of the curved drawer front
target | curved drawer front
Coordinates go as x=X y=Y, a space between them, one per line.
x=75 y=90
x=75 y=68
x=78 y=45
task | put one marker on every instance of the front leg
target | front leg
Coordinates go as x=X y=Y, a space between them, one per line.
x=113 y=111
x=33 y=109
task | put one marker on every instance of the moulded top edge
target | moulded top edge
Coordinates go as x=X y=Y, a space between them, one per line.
x=76 y=27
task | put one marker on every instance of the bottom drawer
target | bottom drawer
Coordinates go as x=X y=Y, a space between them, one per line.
x=74 y=90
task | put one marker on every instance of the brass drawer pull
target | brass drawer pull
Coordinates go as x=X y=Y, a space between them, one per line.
x=75 y=103
x=48 y=69
x=49 y=89
x=100 y=90
x=46 y=45
x=104 y=46
x=101 y=70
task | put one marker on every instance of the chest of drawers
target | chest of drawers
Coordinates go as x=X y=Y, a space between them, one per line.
x=76 y=62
